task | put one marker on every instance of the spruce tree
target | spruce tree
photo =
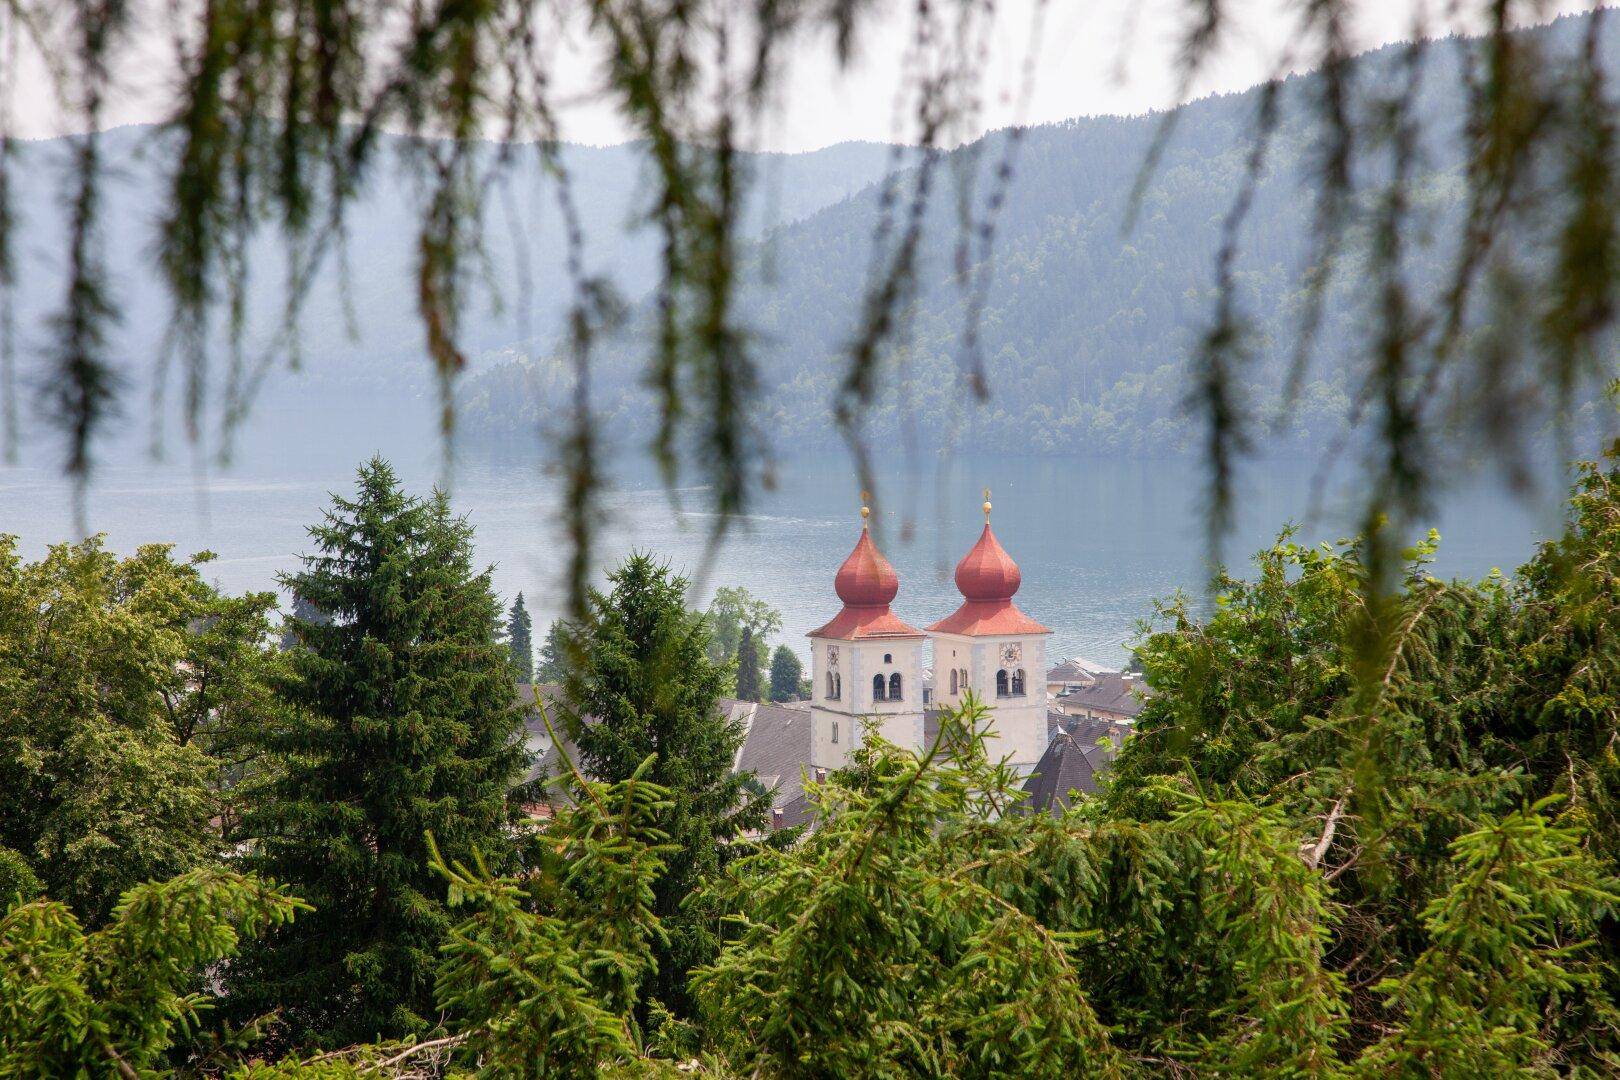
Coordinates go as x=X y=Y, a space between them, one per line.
x=786 y=674
x=405 y=724
x=302 y=612
x=520 y=640
x=747 y=666
x=553 y=661
x=645 y=685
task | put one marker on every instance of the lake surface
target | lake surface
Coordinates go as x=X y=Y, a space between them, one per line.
x=1097 y=541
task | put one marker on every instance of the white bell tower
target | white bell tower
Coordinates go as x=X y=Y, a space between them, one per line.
x=989 y=646
x=866 y=665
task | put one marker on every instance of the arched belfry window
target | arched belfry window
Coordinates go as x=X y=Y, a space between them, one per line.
x=1001 y=683
x=838 y=686
x=954 y=691
x=1018 y=683
x=830 y=692
x=894 y=687
x=878 y=688
x=965 y=686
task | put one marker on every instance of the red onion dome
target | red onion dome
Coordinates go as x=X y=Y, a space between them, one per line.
x=988 y=573
x=866 y=579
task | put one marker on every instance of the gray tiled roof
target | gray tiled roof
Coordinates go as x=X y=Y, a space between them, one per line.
x=1074 y=669
x=1091 y=729
x=776 y=746
x=796 y=811
x=1109 y=692
x=1062 y=769
x=1080 y=751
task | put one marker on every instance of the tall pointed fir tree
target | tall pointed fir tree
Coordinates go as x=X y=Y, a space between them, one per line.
x=302 y=612
x=520 y=640
x=644 y=684
x=405 y=723
x=552 y=664
x=747 y=666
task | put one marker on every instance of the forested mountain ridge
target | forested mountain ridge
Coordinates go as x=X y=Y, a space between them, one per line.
x=1091 y=318
x=360 y=337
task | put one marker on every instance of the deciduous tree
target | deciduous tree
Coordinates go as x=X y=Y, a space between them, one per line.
x=786 y=673
x=110 y=671
x=733 y=610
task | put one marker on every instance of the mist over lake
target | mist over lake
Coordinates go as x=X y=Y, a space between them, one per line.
x=1098 y=540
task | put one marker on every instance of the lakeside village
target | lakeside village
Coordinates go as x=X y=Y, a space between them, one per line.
x=871 y=670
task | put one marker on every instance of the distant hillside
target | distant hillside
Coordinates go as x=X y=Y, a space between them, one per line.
x=1088 y=327
x=361 y=337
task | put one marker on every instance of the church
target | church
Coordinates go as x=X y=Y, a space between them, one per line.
x=1058 y=727
x=868 y=663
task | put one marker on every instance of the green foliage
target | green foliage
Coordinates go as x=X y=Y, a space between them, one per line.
x=787 y=672
x=303 y=612
x=733 y=611
x=877 y=947
x=403 y=722
x=644 y=685
x=1297 y=867
x=553 y=662
x=18 y=884
x=1563 y=707
x=1508 y=950
x=114 y=1001
x=116 y=676
x=748 y=667
x=1397 y=777
x=557 y=962
x=297 y=1070
x=520 y=640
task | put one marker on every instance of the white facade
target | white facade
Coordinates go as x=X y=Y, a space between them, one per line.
x=843 y=699
x=1008 y=673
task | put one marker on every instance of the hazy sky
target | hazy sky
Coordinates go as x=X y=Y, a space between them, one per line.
x=1092 y=57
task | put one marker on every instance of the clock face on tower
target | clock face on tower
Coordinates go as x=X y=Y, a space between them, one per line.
x=1012 y=654
x=832 y=656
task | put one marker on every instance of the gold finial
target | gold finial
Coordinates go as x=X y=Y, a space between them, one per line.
x=987 y=506
x=866 y=511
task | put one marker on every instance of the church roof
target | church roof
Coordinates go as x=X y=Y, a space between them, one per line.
x=867 y=584
x=854 y=624
x=987 y=578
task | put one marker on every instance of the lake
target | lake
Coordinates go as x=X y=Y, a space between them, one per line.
x=1097 y=540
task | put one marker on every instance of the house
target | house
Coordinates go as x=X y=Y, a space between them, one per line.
x=1080 y=751
x=776 y=749
x=1109 y=695
x=1071 y=674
